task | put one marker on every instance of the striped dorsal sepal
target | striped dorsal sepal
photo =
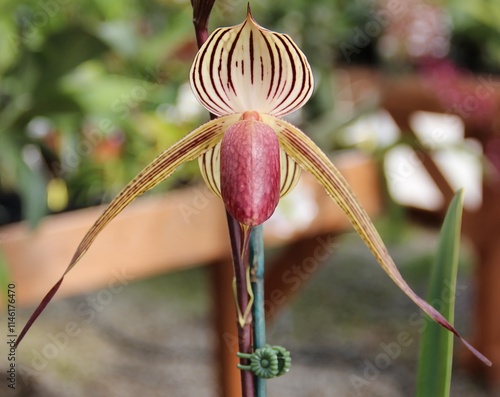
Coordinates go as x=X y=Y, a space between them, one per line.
x=247 y=67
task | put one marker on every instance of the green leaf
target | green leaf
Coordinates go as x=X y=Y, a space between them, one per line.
x=436 y=345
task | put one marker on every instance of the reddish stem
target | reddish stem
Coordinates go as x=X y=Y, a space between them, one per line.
x=244 y=333
x=201 y=13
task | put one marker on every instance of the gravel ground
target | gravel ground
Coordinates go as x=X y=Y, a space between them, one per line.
x=154 y=337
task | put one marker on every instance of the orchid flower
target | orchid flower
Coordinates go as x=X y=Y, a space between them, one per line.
x=249 y=77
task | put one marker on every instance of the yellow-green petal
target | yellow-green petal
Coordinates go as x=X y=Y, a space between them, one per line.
x=190 y=147
x=289 y=173
x=209 y=163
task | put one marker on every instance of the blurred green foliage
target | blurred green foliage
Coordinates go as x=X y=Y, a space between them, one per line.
x=476 y=34
x=85 y=91
x=91 y=92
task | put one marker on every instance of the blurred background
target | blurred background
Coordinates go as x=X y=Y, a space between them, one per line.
x=91 y=92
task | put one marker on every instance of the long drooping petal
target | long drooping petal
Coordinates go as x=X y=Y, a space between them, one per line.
x=188 y=148
x=247 y=67
x=305 y=152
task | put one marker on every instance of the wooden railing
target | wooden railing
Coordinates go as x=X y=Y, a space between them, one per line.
x=181 y=229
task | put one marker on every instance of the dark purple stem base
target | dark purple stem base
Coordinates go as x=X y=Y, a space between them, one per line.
x=240 y=273
x=201 y=14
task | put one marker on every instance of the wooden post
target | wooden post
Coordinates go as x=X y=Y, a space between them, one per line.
x=224 y=310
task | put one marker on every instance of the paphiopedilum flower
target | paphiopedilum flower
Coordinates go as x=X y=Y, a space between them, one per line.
x=249 y=77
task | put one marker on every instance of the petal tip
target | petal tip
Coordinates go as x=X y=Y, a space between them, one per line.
x=474 y=351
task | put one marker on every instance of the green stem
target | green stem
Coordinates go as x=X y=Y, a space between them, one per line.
x=256 y=257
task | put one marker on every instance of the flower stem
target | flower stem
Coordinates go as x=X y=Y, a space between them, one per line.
x=243 y=299
x=201 y=14
x=256 y=256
